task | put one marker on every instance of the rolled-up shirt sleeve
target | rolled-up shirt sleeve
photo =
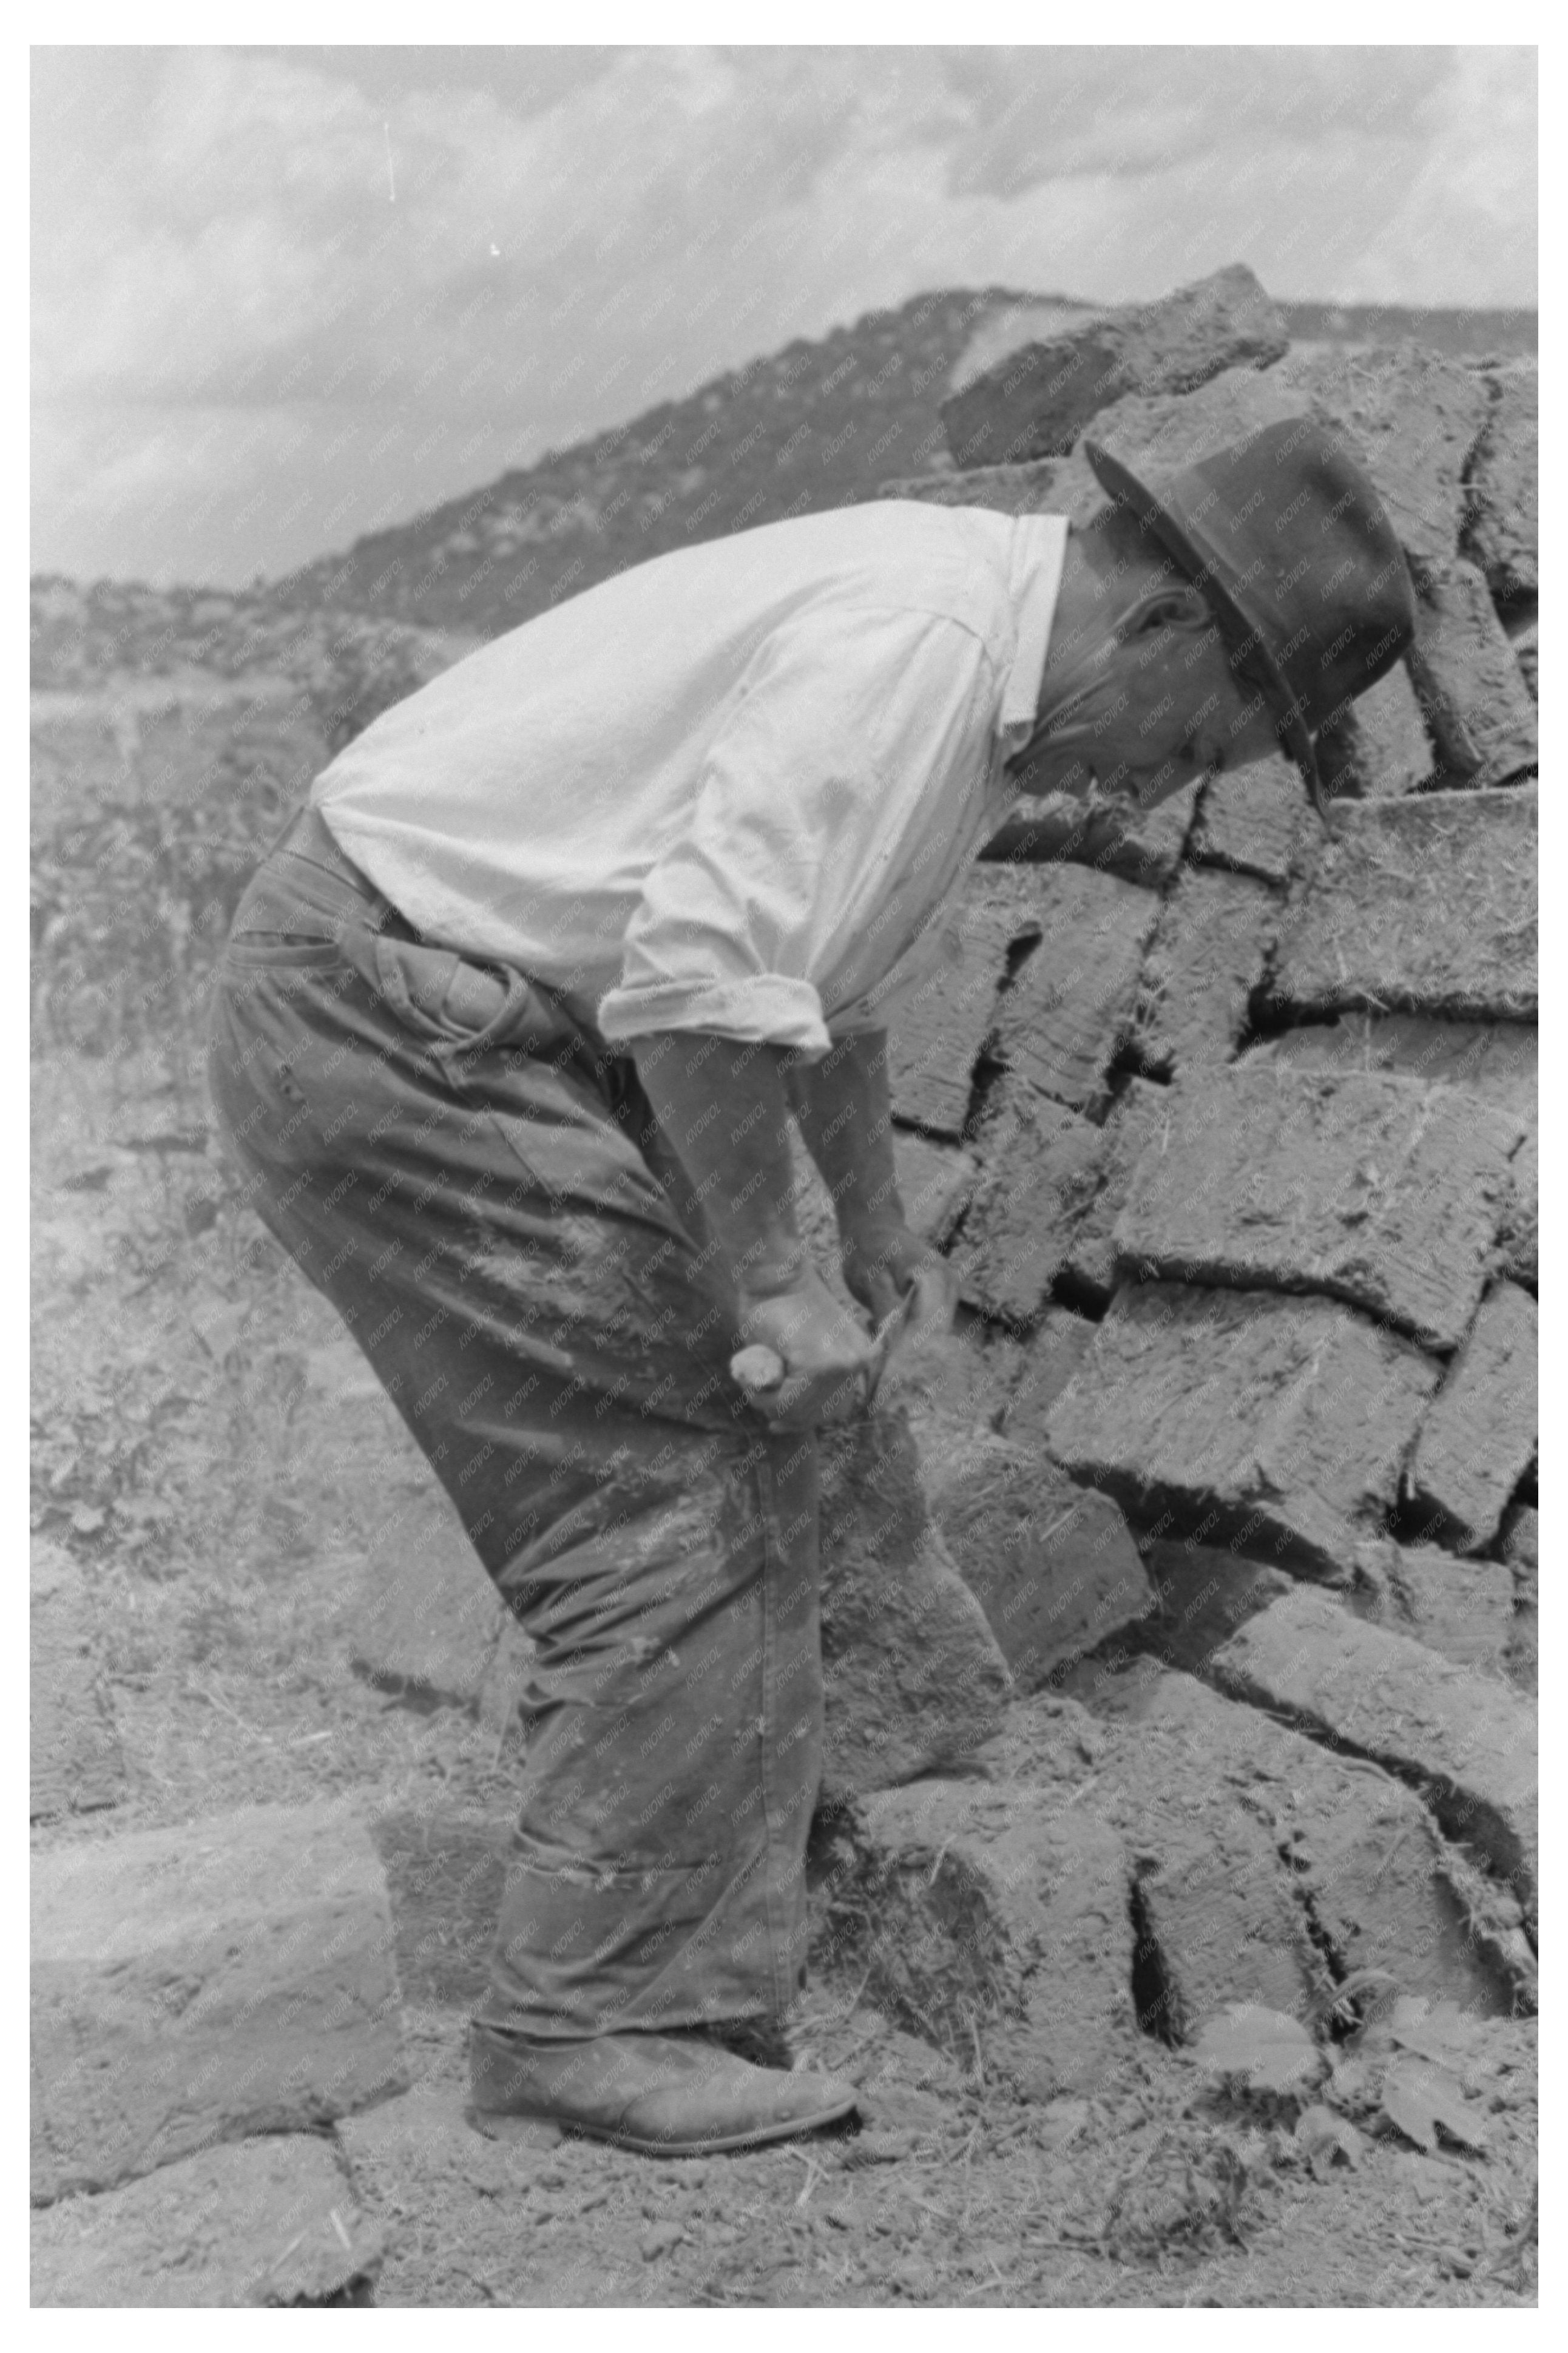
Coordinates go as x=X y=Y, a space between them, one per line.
x=821 y=806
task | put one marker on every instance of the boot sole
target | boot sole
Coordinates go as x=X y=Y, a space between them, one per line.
x=663 y=2146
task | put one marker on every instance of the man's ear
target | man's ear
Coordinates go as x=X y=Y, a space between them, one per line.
x=1169 y=604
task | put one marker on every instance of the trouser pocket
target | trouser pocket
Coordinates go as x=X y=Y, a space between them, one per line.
x=464 y=1006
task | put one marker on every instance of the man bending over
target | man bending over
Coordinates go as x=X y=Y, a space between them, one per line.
x=508 y=1038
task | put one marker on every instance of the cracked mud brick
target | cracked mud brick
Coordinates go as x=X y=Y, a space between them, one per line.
x=1205 y=960
x=1202 y=1593
x=270 y=2221
x=1379 y=747
x=1476 y=703
x=75 y=1757
x=1245 y=1416
x=1052 y=1564
x=1037 y=400
x=1349 y=1870
x=1480 y=1434
x=997 y=1907
x=1497 y=1061
x=913 y=1674
x=1526 y=645
x=1521 y=1549
x=933 y=1050
x=1424 y=905
x=1521 y=1228
x=1463 y=1733
x=1414 y=419
x=1040 y=1170
x=1209 y=1916
x=1060 y=1024
x=1161 y=433
x=1461 y=1608
x=1252 y=819
x=954 y=1389
x=1138 y=1120
x=1502 y=533
x=1218 y=1918
x=1048 y=1361
x=1372 y=1188
x=935 y=1183
x=1522 y=1545
x=227 y=1977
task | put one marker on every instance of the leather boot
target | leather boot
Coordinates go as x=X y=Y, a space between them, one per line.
x=661 y=2094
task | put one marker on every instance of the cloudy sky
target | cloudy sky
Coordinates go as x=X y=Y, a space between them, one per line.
x=283 y=296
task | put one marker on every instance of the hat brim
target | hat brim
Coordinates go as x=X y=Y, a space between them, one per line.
x=1207 y=568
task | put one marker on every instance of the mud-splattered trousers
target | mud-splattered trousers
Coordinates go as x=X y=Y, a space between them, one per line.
x=476 y=1181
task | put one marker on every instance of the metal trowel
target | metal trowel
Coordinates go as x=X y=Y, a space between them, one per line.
x=896 y=1333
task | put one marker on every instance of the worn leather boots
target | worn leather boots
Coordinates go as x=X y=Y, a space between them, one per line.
x=663 y=2094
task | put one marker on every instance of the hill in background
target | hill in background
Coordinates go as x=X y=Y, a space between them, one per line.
x=817 y=424
x=807 y=427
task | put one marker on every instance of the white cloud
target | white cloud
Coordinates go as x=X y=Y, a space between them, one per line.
x=237 y=324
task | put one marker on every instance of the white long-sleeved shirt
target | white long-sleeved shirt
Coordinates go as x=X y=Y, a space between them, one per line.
x=731 y=789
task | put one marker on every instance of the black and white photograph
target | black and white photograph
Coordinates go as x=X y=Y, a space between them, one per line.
x=785 y=1471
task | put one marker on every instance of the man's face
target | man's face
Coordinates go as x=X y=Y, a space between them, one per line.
x=1164 y=708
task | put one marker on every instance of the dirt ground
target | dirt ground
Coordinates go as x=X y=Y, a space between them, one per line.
x=199 y=1453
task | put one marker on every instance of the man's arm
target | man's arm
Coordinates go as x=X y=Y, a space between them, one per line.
x=724 y=1110
x=845 y=1110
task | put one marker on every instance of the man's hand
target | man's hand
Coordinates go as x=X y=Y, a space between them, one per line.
x=824 y=1353
x=722 y=1109
x=881 y=1258
x=846 y=1116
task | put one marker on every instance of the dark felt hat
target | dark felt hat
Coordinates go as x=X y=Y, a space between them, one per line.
x=1291 y=544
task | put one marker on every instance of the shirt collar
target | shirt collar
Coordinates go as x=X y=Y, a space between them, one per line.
x=1039 y=553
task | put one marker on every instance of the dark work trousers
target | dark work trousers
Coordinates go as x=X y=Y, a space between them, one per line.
x=477 y=1183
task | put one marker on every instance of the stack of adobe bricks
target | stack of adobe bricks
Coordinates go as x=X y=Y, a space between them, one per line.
x=1249 y=1110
